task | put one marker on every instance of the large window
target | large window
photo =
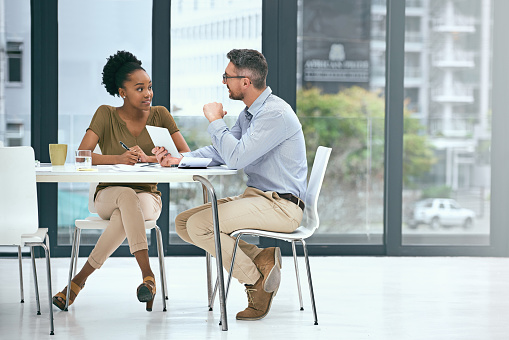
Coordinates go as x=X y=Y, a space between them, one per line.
x=446 y=196
x=88 y=33
x=340 y=103
x=432 y=152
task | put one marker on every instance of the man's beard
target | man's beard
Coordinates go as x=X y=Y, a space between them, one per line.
x=237 y=96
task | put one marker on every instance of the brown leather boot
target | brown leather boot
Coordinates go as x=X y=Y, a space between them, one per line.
x=269 y=264
x=259 y=302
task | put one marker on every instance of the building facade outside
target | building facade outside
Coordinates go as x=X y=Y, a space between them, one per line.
x=15 y=106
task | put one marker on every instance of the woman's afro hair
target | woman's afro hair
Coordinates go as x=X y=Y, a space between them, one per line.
x=117 y=70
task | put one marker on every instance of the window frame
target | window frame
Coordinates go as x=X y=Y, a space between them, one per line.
x=14 y=54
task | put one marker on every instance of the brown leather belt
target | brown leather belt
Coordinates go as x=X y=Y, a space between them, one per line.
x=293 y=199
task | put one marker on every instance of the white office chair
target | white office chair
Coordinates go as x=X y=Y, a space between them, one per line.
x=311 y=223
x=19 y=222
x=95 y=222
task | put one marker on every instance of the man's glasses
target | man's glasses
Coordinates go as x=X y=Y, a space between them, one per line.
x=225 y=77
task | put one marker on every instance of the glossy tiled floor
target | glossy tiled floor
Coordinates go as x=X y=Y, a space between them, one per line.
x=357 y=298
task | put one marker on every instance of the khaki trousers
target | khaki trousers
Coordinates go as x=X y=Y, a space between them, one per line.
x=127 y=211
x=254 y=209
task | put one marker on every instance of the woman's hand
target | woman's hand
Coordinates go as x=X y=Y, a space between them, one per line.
x=164 y=158
x=129 y=157
x=142 y=157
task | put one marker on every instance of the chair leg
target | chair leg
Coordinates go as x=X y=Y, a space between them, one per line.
x=161 y=247
x=235 y=247
x=297 y=274
x=209 y=280
x=162 y=271
x=310 y=281
x=213 y=297
x=77 y=249
x=229 y=273
x=21 y=292
x=34 y=270
x=50 y=294
x=74 y=255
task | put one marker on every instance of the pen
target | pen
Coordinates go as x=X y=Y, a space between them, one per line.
x=123 y=145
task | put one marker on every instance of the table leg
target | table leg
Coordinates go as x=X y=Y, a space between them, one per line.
x=209 y=281
x=208 y=258
x=219 y=261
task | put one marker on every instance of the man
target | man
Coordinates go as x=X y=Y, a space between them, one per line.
x=268 y=143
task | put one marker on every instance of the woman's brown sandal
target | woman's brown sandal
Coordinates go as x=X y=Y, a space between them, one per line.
x=147 y=291
x=59 y=298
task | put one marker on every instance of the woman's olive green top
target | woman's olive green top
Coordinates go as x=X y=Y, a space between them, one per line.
x=111 y=129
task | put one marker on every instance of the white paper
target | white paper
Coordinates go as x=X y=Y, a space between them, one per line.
x=44 y=169
x=194 y=162
x=161 y=137
x=139 y=167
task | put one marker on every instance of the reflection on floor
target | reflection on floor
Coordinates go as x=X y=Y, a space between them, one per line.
x=357 y=298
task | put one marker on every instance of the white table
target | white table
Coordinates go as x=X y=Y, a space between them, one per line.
x=67 y=173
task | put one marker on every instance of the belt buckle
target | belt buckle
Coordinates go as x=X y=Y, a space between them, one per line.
x=294 y=199
x=298 y=201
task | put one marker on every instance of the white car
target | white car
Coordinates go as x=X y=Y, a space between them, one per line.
x=437 y=212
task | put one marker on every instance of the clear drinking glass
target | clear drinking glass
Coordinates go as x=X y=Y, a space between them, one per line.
x=83 y=159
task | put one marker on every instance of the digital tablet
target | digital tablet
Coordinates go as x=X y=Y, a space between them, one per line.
x=161 y=137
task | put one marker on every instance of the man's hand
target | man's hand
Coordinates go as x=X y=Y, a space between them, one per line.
x=164 y=158
x=213 y=111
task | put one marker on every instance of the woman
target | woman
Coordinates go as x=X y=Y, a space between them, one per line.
x=126 y=205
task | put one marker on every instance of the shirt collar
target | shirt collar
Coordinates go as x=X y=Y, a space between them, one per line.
x=258 y=103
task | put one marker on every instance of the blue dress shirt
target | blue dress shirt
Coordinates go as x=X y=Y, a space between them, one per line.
x=266 y=141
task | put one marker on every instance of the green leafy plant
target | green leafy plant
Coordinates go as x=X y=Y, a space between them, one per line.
x=352 y=123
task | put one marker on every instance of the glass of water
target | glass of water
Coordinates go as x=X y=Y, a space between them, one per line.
x=83 y=159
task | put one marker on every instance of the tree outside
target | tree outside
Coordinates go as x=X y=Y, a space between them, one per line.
x=351 y=122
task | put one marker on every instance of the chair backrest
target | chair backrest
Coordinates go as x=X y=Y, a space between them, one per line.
x=18 y=194
x=314 y=187
x=91 y=189
x=91 y=192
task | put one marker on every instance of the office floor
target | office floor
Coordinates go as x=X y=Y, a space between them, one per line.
x=357 y=298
